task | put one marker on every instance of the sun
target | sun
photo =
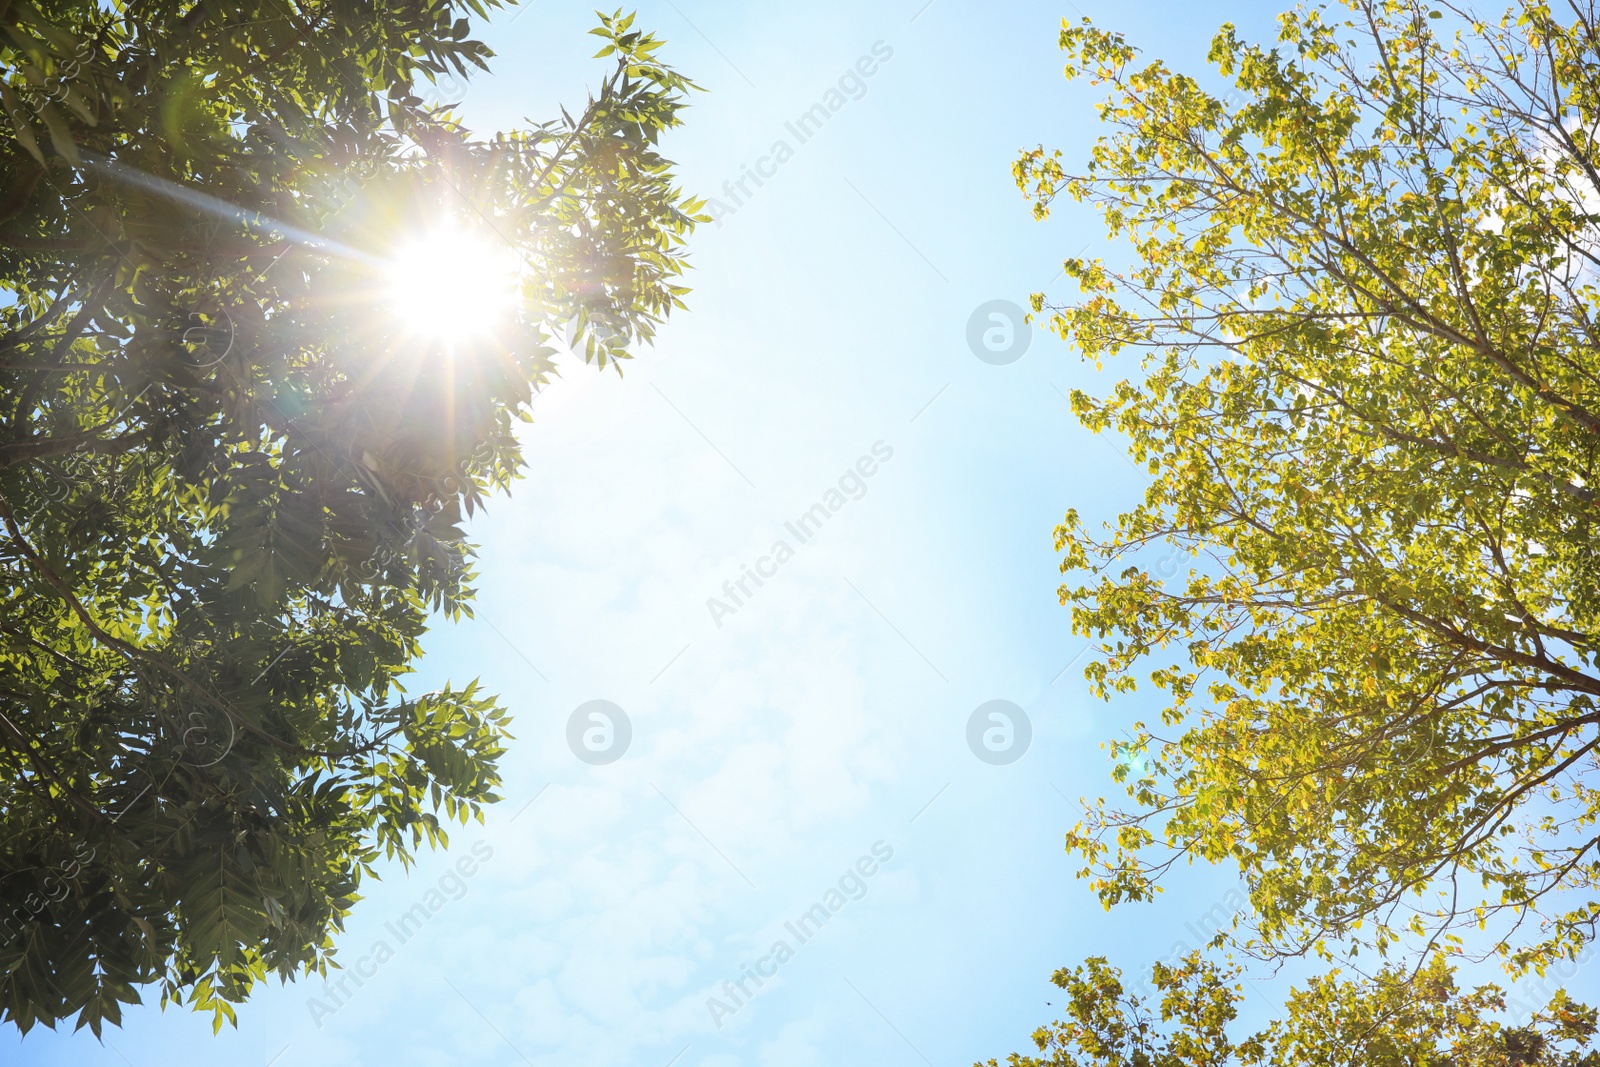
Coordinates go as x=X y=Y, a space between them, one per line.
x=451 y=284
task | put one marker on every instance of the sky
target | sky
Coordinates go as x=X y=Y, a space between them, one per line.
x=821 y=739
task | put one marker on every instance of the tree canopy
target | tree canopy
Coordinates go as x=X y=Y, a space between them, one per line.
x=1399 y=1019
x=232 y=480
x=1361 y=307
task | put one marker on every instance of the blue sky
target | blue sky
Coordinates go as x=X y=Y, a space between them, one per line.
x=819 y=730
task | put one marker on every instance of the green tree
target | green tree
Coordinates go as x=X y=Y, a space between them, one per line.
x=1394 y=1020
x=232 y=478
x=1362 y=305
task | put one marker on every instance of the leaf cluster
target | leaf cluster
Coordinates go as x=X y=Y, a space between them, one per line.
x=1395 y=1020
x=233 y=486
x=1362 y=301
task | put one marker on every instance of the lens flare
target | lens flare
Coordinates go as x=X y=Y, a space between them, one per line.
x=452 y=285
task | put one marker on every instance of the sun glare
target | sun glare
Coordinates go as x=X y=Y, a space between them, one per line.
x=452 y=285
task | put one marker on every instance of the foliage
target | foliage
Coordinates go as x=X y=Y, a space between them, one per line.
x=231 y=483
x=1363 y=297
x=1395 y=1020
